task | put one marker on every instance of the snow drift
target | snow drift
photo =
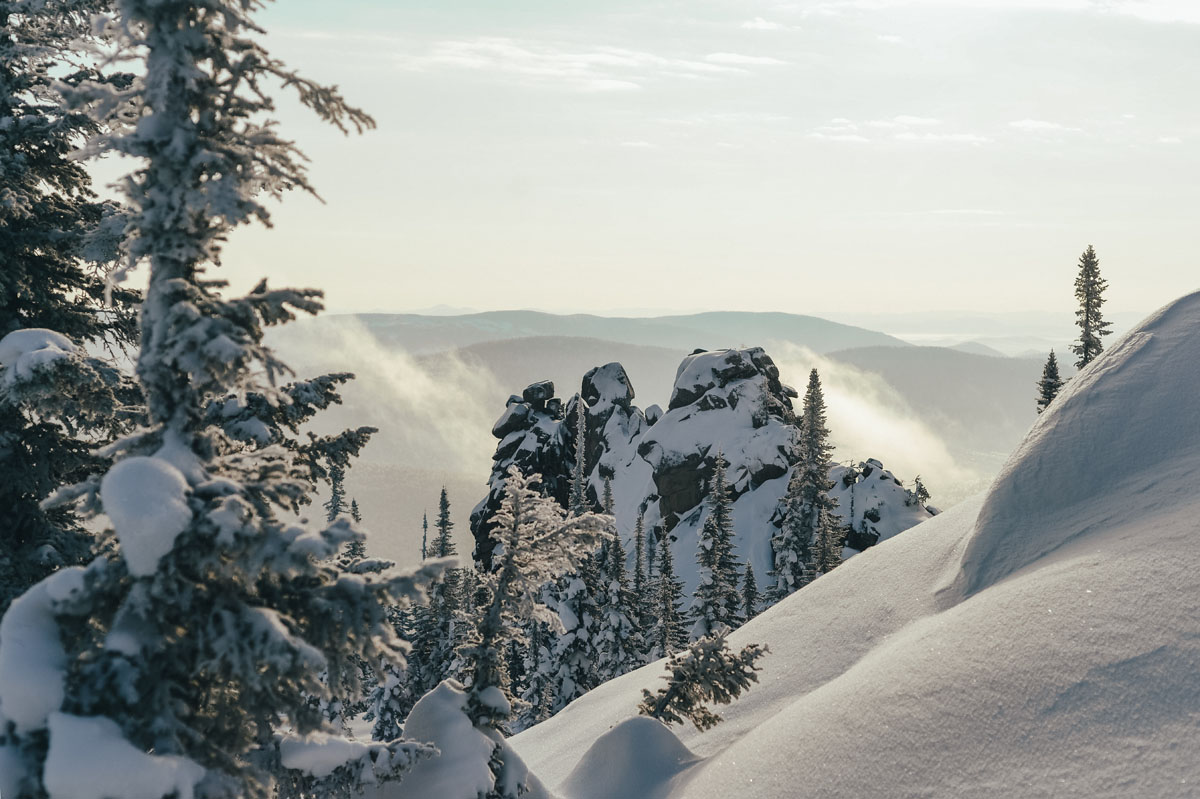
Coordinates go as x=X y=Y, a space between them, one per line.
x=1042 y=640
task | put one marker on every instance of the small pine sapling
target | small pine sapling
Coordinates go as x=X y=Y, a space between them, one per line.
x=707 y=672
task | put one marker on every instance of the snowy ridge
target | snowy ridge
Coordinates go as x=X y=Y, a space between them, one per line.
x=1042 y=640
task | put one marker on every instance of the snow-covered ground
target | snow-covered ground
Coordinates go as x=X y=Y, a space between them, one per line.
x=1040 y=640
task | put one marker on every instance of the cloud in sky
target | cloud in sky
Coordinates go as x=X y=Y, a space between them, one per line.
x=760 y=24
x=741 y=60
x=584 y=67
x=1041 y=126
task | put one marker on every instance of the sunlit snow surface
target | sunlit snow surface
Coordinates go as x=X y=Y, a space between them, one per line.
x=1040 y=640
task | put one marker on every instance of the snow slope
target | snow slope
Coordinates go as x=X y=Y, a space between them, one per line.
x=1042 y=640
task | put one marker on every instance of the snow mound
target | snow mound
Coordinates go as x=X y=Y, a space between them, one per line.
x=1042 y=641
x=637 y=758
x=146 y=500
x=1127 y=423
x=32 y=659
x=24 y=351
x=319 y=754
x=89 y=758
x=460 y=770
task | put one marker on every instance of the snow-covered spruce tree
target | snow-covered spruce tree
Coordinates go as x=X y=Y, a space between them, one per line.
x=355 y=513
x=445 y=602
x=536 y=542
x=791 y=546
x=920 y=491
x=335 y=506
x=578 y=503
x=577 y=652
x=707 y=672
x=749 y=594
x=642 y=599
x=57 y=242
x=808 y=515
x=1089 y=291
x=606 y=501
x=197 y=645
x=717 y=601
x=424 y=536
x=831 y=537
x=1050 y=384
x=669 y=633
x=620 y=634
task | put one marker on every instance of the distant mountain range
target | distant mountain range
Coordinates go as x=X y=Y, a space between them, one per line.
x=426 y=334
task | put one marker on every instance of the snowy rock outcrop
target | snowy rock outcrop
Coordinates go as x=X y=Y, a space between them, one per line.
x=533 y=438
x=726 y=401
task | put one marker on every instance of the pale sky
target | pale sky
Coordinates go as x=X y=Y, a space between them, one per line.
x=898 y=155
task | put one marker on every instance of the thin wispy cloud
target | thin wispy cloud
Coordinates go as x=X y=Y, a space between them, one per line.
x=584 y=68
x=760 y=24
x=904 y=121
x=743 y=60
x=1041 y=126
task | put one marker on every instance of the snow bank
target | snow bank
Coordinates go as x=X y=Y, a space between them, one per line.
x=22 y=352
x=146 y=500
x=1051 y=649
x=89 y=758
x=319 y=754
x=32 y=660
x=637 y=758
x=1118 y=428
x=460 y=771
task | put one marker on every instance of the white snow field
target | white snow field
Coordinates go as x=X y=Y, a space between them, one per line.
x=1040 y=640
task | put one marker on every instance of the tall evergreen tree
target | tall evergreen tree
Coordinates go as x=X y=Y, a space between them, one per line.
x=606 y=501
x=670 y=625
x=641 y=581
x=538 y=542
x=1050 y=384
x=716 y=601
x=335 y=506
x=577 y=652
x=1089 y=291
x=831 y=537
x=749 y=594
x=424 y=536
x=204 y=635
x=57 y=242
x=620 y=633
x=808 y=514
x=578 y=499
x=445 y=602
x=355 y=513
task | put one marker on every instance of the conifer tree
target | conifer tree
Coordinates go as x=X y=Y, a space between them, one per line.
x=809 y=523
x=749 y=594
x=921 y=491
x=335 y=506
x=1089 y=291
x=424 y=536
x=620 y=634
x=641 y=581
x=830 y=539
x=707 y=672
x=355 y=513
x=577 y=651
x=537 y=541
x=445 y=602
x=717 y=601
x=58 y=404
x=670 y=626
x=1050 y=384
x=607 y=501
x=203 y=636
x=578 y=500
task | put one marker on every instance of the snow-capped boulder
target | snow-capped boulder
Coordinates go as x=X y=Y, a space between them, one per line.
x=534 y=438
